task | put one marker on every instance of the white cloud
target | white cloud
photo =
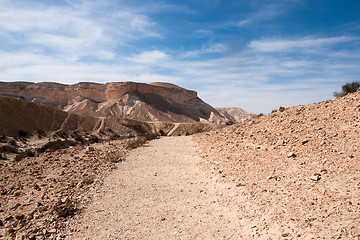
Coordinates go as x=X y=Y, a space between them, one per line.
x=150 y=57
x=73 y=31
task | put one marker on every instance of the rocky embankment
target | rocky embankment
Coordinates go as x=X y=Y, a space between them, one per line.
x=296 y=172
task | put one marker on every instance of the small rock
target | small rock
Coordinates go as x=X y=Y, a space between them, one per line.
x=281 y=109
x=20 y=216
x=323 y=171
x=305 y=141
x=163 y=219
x=90 y=149
x=20 y=237
x=316 y=177
x=36 y=187
x=291 y=154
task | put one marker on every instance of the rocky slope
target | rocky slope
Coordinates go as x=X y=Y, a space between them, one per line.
x=18 y=115
x=144 y=102
x=38 y=194
x=296 y=172
x=235 y=114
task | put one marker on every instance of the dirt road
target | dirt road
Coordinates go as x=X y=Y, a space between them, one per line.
x=160 y=192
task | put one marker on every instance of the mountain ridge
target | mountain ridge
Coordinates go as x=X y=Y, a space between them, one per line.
x=144 y=102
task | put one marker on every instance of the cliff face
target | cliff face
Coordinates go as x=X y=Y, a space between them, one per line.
x=18 y=114
x=145 y=102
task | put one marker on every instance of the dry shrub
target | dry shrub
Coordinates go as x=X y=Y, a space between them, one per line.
x=8 y=149
x=55 y=145
x=27 y=153
x=114 y=157
x=139 y=141
x=348 y=88
x=64 y=208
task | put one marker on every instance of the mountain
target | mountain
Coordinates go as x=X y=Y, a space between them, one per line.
x=20 y=115
x=235 y=114
x=154 y=102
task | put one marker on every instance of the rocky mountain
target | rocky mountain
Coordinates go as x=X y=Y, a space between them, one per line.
x=143 y=102
x=235 y=114
x=19 y=116
x=295 y=172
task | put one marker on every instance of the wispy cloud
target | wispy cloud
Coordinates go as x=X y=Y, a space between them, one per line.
x=279 y=45
x=77 y=29
x=265 y=11
x=216 y=48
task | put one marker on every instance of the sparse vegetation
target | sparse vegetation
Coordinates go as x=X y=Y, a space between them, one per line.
x=114 y=157
x=60 y=134
x=27 y=153
x=230 y=122
x=348 y=88
x=55 y=145
x=93 y=139
x=138 y=141
x=3 y=139
x=12 y=142
x=8 y=149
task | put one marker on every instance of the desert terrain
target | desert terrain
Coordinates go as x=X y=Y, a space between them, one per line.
x=292 y=174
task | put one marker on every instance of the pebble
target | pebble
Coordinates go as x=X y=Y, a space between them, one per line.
x=291 y=154
x=316 y=177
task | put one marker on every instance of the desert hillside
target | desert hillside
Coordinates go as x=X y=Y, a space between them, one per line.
x=297 y=172
x=20 y=115
x=235 y=114
x=139 y=101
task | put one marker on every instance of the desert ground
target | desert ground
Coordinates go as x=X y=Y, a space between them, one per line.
x=292 y=174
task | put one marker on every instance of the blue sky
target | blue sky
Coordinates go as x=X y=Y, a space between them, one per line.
x=253 y=54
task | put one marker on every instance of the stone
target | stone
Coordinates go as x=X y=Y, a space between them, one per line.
x=305 y=141
x=90 y=149
x=281 y=109
x=20 y=216
x=291 y=154
x=316 y=177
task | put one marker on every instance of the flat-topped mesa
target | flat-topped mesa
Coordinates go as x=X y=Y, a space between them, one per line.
x=139 y=101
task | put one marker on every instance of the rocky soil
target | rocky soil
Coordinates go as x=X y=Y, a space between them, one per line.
x=296 y=172
x=39 y=194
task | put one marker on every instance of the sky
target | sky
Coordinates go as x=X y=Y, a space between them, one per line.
x=253 y=54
